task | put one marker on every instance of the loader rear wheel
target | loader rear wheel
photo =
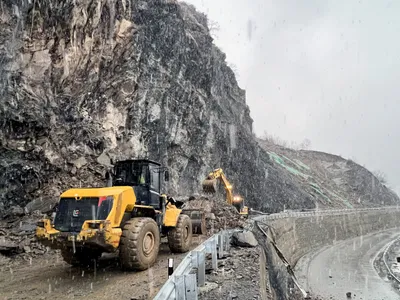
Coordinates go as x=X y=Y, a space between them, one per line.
x=180 y=237
x=139 y=245
x=81 y=257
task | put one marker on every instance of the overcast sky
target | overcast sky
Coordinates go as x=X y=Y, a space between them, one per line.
x=324 y=70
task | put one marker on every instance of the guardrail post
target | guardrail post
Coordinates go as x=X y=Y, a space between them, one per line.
x=190 y=287
x=211 y=248
x=186 y=287
x=214 y=255
x=180 y=289
x=200 y=263
x=220 y=246
x=226 y=241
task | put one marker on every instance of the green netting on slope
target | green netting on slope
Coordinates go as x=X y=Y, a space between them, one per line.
x=345 y=201
x=294 y=162
x=279 y=160
x=318 y=189
x=302 y=165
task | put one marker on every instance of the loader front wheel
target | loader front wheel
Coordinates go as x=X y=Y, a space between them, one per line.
x=139 y=245
x=180 y=237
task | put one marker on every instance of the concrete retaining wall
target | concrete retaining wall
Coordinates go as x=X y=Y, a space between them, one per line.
x=298 y=236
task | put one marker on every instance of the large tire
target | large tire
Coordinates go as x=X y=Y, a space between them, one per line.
x=180 y=237
x=139 y=245
x=81 y=257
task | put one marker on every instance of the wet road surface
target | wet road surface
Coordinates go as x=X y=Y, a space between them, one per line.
x=347 y=266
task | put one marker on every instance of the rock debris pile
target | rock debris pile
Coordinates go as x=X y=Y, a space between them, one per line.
x=219 y=215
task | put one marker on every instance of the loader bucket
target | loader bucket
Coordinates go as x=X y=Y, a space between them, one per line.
x=210 y=186
x=198 y=220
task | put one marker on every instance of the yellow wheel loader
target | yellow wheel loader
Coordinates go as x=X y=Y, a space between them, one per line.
x=210 y=187
x=130 y=217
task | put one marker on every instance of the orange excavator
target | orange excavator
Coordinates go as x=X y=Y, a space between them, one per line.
x=210 y=187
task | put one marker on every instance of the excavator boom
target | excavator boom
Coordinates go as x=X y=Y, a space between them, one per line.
x=210 y=184
x=210 y=187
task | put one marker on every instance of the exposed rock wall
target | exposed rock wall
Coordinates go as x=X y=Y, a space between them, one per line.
x=87 y=82
x=83 y=82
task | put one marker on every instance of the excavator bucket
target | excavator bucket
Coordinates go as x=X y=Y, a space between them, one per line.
x=198 y=220
x=210 y=186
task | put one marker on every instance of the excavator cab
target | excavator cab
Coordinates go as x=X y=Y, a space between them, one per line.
x=238 y=203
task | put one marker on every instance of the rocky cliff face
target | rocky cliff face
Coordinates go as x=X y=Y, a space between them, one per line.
x=83 y=82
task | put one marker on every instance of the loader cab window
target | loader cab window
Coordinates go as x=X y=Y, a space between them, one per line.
x=131 y=174
x=140 y=175
x=154 y=178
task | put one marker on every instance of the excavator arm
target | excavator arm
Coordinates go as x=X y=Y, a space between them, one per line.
x=210 y=184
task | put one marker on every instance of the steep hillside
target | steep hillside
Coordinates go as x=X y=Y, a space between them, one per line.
x=83 y=82
x=331 y=180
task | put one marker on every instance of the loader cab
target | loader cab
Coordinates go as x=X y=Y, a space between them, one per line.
x=145 y=178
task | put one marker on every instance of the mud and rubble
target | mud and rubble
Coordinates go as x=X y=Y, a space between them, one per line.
x=219 y=215
x=237 y=277
x=17 y=240
x=48 y=277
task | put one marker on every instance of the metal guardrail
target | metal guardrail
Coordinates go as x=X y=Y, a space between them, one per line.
x=184 y=282
x=320 y=213
x=385 y=261
x=190 y=273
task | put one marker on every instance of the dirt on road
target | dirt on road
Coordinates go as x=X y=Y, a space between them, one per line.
x=30 y=271
x=48 y=277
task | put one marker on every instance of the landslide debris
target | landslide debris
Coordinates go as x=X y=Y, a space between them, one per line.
x=244 y=239
x=219 y=215
x=237 y=277
x=18 y=244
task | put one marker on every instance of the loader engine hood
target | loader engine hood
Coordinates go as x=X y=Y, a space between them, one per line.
x=89 y=217
x=72 y=213
x=79 y=205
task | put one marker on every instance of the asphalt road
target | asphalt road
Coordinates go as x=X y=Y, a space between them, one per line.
x=347 y=266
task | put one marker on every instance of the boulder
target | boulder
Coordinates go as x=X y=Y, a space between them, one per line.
x=16 y=211
x=244 y=239
x=104 y=160
x=80 y=162
x=7 y=246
